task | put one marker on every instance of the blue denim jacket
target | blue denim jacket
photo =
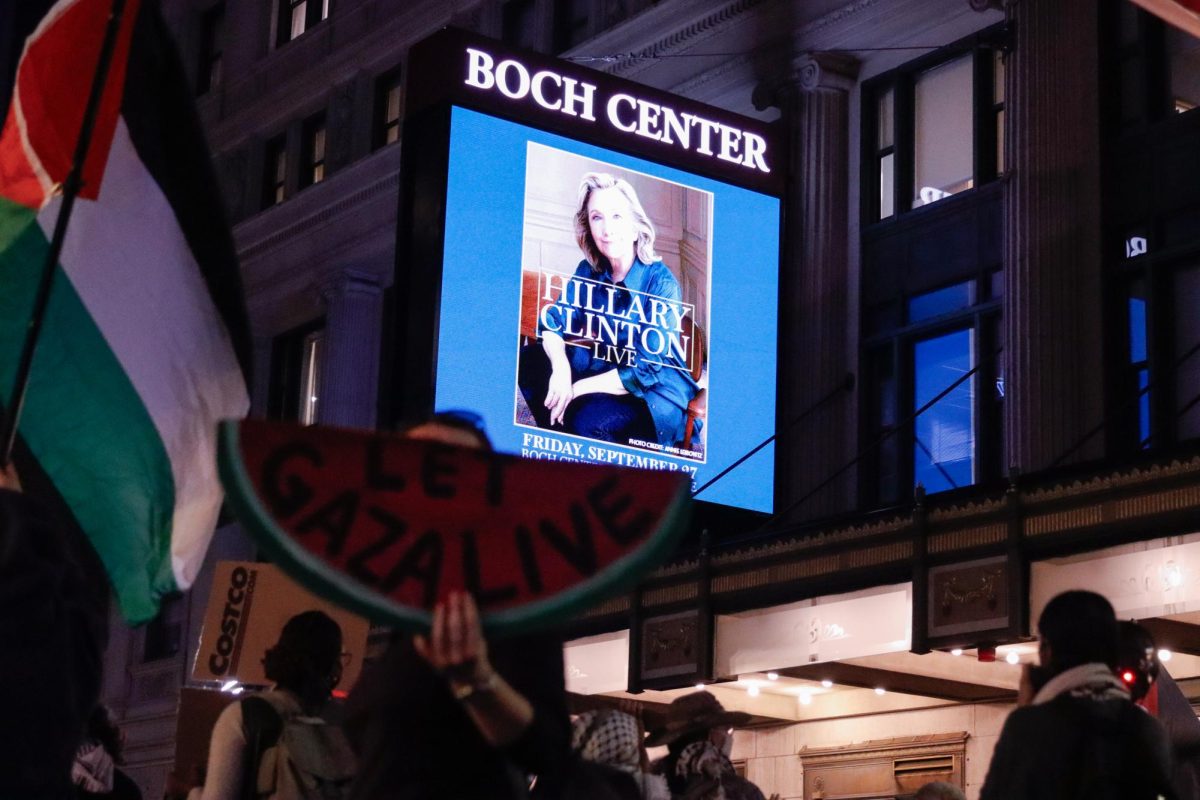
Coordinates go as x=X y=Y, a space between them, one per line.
x=597 y=317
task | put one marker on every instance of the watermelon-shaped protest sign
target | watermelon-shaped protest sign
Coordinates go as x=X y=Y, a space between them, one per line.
x=386 y=526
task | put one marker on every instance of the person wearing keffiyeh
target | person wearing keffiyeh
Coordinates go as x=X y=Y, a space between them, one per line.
x=698 y=733
x=613 y=738
x=95 y=772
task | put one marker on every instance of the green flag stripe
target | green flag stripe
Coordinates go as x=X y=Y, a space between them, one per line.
x=86 y=424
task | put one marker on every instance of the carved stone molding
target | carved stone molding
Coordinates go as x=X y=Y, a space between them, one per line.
x=809 y=73
x=346 y=282
x=824 y=72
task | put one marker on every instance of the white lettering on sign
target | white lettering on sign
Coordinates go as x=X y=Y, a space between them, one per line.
x=1135 y=246
x=624 y=112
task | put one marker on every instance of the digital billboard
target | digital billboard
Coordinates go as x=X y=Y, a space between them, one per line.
x=596 y=304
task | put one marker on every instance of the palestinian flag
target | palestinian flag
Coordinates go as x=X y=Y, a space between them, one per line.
x=144 y=342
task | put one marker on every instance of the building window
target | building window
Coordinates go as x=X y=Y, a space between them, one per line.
x=943 y=143
x=164 y=634
x=275 y=172
x=944 y=436
x=212 y=48
x=312 y=151
x=298 y=16
x=935 y=128
x=1139 y=362
x=1157 y=68
x=387 y=109
x=934 y=393
x=1183 y=69
x=296 y=361
x=1187 y=353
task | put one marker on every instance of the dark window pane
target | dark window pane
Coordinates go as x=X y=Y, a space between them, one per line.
x=997 y=284
x=942 y=301
x=944 y=450
x=883 y=412
x=1000 y=163
x=1183 y=64
x=212 y=45
x=1133 y=91
x=313 y=151
x=1143 y=408
x=1187 y=337
x=387 y=109
x=164 y=633
x=274 y=172
x=1129 y=23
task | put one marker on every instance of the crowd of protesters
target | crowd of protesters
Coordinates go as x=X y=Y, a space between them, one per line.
x=449 y=714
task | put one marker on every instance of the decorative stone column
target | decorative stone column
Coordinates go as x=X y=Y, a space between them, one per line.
x=815 y=325
x=1053 y=365
x=349 y=380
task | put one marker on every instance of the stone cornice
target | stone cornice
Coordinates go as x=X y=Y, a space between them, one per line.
x=273 y=235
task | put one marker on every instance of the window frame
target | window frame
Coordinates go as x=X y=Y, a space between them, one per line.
x=274 y=185
x=212 y=48
x=895 y=458
x=315 y=12
x=314 y=159
x=902 y=81
x=381 y=125
x=289 y=369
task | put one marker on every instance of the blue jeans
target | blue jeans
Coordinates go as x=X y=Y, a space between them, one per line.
x=604 y=417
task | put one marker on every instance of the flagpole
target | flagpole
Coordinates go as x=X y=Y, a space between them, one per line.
x=70 y=188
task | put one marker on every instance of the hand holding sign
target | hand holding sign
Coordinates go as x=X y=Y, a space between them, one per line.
x=387 y=525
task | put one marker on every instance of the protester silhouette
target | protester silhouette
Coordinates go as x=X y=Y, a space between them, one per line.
x=1079 y=735
x=451 y=714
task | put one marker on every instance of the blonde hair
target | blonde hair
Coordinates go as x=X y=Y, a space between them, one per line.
x=641 y=222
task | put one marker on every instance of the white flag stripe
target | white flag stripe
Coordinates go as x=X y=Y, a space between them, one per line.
x=131 y=266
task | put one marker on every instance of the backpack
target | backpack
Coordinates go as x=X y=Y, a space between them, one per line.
x=294 y=757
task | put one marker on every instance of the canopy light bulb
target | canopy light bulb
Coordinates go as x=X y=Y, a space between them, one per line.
x=1013 y=658
x=956 y=651
x=772 y=676
x=828 y=684
x=1164 y=655
x=699 y=687
x=805 y=699
x=752 y=691
x=879 y=690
